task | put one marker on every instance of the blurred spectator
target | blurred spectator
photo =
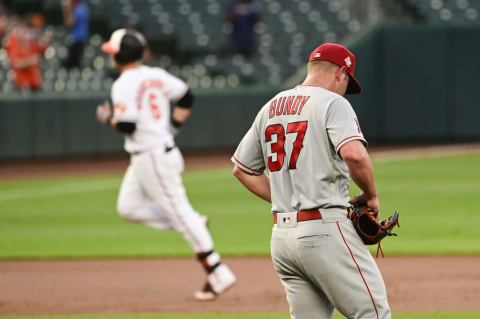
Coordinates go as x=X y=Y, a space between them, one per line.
x=25 y=46
x=243 y=15
x=76 y=17
x=3 y=21
x=36 y=23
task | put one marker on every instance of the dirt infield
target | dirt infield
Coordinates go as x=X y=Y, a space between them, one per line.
x=166 y=286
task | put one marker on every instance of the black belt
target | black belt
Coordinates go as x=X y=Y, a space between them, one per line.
x=167 y=149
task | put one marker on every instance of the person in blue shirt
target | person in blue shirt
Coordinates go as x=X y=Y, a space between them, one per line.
x=76 y=17
x=243 y=15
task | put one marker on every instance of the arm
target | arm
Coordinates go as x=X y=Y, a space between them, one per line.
x=257 y=184
x=105 y=116
x=67 y=11
x=123 y=127
x=182 y=110
x=44 y=42
x=180 y=115
x=230 y=13
x=22 y=63
x=13 y=49
x=347 y=138
x=356 y=157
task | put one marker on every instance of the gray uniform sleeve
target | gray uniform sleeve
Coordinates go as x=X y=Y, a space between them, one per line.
x=342 y=124
x=249 y=155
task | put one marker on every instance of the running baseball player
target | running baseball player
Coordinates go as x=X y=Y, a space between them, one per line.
x=152 y=191
x=310 y=140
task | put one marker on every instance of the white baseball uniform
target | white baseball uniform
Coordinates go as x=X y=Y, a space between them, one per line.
x=152 y=190
x=322 y=263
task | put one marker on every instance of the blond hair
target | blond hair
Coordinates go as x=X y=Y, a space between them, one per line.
x=324 y=66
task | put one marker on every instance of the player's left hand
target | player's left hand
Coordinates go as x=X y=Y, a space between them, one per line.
x=370 y=230
x=104 y=112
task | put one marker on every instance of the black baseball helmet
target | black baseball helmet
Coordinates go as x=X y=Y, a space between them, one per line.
x=125 y=45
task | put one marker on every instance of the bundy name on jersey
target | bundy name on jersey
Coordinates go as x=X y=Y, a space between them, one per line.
x=287 y=105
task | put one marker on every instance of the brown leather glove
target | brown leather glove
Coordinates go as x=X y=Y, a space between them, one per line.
x=369 y=230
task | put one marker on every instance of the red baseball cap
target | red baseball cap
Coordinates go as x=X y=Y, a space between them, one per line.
x=339 y=55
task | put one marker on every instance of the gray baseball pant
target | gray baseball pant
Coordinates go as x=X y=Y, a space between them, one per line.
x=323 y=264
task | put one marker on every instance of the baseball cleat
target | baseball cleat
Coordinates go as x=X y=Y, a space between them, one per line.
x=206 y=294
x=220 y=280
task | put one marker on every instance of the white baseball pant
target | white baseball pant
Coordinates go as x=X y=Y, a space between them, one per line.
x=152 y=193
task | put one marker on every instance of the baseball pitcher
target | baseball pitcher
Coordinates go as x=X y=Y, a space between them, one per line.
x=309 y=139
x=152 y=191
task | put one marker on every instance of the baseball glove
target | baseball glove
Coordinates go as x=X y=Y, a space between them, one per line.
x=370 y=231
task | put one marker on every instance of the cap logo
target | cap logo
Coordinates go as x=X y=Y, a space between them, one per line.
x=317 y=55
x=348 y=62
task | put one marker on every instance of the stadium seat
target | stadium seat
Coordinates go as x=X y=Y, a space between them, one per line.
x=190 y=38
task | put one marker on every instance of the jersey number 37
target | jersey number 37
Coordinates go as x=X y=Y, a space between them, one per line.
x=278 y=147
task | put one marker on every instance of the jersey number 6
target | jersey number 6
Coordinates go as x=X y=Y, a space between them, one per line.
x=279 y=146
x=153 y=106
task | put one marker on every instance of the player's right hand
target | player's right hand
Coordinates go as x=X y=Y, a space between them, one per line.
x=104 y=112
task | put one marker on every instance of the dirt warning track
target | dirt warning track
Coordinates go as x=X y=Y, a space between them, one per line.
x=167 y=285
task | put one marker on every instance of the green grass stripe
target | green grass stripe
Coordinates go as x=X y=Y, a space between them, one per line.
x=431 y=315
x=59 y=189
x=75 y=217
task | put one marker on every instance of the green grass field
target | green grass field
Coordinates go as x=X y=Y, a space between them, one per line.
x=75 y=217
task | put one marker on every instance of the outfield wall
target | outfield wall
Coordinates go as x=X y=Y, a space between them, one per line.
x=420 y=84
x=64 y=124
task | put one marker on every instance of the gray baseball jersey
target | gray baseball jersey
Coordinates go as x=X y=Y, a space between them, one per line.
x=297 y=135
x=322 y=263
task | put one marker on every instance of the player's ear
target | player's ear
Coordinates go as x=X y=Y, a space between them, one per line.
x=341 y=74
x=113 y=64
x=340 y=71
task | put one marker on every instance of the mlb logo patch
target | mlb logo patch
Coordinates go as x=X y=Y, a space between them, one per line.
x=286 y=220
x=317 y=55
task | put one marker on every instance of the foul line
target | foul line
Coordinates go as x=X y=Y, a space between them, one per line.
x=61 y=189
x=109 y=184
x=83 y=187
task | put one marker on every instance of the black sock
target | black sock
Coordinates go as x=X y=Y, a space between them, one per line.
x=203 y=258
